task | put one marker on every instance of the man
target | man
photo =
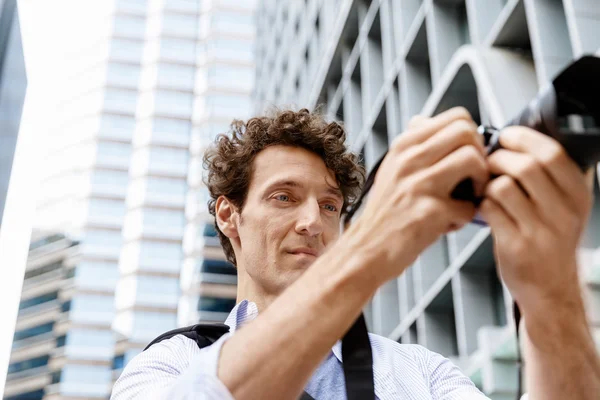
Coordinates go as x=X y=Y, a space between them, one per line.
x=279 y=186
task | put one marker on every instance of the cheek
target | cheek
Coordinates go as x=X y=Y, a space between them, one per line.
x=332 y=232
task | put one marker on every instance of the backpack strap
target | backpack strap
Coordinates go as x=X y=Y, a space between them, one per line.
x=356 y=353
x=203 y=334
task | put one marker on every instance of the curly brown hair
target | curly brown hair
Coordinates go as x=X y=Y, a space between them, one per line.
x=229 y=160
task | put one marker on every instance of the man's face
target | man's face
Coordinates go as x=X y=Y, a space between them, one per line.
x=291 y=214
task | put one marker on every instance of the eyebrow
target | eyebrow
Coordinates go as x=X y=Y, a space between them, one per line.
x=332 y=190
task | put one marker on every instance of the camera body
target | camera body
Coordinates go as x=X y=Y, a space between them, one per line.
x=567 y=109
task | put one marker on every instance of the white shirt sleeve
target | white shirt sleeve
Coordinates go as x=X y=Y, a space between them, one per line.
x=174 y=369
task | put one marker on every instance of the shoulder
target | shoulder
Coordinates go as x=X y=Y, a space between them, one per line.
x=424 y=367
x=175 y=351
x=413 y=354
x=168 y=357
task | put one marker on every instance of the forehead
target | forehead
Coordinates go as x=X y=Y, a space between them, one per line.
x=293 y=163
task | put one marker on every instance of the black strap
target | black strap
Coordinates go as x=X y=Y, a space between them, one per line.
x=204 y=335
x=517 y=318
x=357 y=357
x=306 y=396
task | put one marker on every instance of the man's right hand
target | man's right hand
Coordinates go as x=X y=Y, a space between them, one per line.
x=410 y=201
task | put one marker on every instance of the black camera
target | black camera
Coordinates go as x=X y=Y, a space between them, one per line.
x=567 y=109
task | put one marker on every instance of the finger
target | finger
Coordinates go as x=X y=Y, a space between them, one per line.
x=416 y=120
x=500 y=222
x=548 y=152
x=505 y=192
x=460 y=213
x=448 y=214
x=427 y=128
x=529 y=173
x=453 y=136
x=465 y=162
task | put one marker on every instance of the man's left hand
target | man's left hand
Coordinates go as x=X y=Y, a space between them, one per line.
x=537 y=209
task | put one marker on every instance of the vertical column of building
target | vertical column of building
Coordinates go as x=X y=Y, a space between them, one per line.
x=83 y=189
x=151 y=257
x=224 y=82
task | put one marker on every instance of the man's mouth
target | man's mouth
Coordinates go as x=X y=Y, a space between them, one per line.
x=304 y=251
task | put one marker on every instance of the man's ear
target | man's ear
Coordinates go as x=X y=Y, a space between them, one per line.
x=227 y=217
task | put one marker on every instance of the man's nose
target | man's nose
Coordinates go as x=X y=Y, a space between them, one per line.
x=309 y=221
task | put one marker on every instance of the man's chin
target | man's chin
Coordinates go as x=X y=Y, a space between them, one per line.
x=302 y=260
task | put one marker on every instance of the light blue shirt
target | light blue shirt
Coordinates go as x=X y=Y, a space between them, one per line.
x=177 y=369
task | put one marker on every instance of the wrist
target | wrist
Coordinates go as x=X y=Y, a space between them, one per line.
x=559 y=317
x=381 y=254
x=549 y=290
x=356 y=264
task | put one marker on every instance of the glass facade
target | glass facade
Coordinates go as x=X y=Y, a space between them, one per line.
x=44 y=304
x=13 y=83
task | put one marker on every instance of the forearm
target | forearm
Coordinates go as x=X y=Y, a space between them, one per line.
x=560 y=356
x=275 y=355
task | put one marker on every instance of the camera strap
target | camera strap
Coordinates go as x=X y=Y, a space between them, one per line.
x=357 y=360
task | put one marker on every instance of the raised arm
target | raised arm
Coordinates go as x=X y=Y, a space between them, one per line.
x=409 y=208
x=537 y=210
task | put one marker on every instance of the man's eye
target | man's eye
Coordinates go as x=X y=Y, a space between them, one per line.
x=282 y=197
x=330 y=207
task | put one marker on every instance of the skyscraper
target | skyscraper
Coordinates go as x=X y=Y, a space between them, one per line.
x=81 y=199
x=375 y=63
x=121 y=208
x=13 y=83
x=198 y=75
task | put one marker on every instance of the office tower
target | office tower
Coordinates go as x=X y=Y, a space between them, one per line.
x=223 y=91
x=13 y=83
x=38 y=351
x=197 y=75
x=146 y=86
x=82 y=196
x=373 y=65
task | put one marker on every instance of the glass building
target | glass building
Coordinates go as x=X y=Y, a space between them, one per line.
x=147 y=84
x=197 y=75
x=43 y=340
x=375 y=63
x=13 y=83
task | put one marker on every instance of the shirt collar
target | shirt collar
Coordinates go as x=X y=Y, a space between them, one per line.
x=246 y=311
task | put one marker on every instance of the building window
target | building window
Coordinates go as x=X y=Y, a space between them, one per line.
x=210 y=231
x=45 y=241
x=118 y=362
x=42 y=270
x=35 y=395
x=55 y=376
x=34 y=331
x=34 y=301
x=217 y=267
x=66 y=306
x=70 y=273
x=215 y=304
x=28 y=364
x=61 y=341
